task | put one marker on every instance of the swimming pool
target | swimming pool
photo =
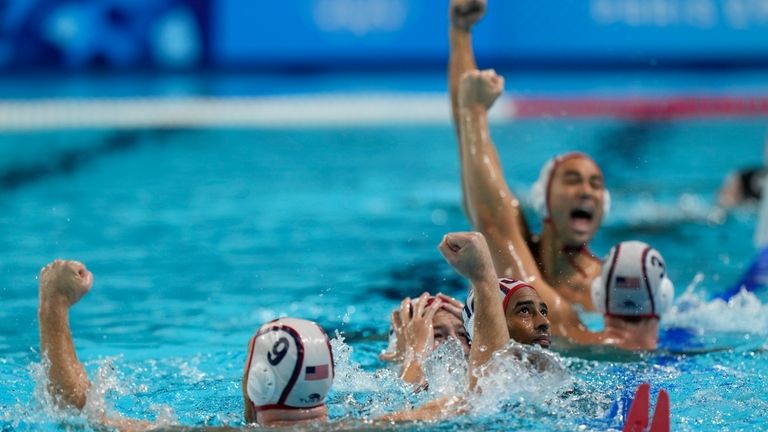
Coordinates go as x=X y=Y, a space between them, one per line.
x=197 y=236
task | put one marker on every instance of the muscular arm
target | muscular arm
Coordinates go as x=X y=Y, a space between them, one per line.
x=495 y=212
x=493 y=209
x=464 y=14
x=68 y=382
x=490 y=332
x=461 y=60
x=468 y=254
x=62 y=284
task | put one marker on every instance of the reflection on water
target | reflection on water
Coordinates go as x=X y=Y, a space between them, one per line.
x=197 y=242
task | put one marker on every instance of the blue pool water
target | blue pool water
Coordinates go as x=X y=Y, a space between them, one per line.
x=196 y=237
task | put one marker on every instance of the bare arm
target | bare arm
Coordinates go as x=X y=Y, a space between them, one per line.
x=493 y=209
x=469 y=256
x=496 y=213
x=464 y=14
x=433 y=410
x=62 y=284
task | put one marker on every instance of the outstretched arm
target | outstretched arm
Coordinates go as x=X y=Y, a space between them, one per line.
x=464 y=14
x=468 y=254
x=493 y=209
x=62 y=284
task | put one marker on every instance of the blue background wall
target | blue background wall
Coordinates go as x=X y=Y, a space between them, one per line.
x=373 y=33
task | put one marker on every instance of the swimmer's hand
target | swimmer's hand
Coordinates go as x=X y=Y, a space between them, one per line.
x=468 y=253
x=64 y=282
x=480 y=89
x=419 y=331
x=397 y=326
x=451 y=305
x=419 y=335
x=466 y=13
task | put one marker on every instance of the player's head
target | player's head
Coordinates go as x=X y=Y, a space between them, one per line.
x=571 y=196
x=288 y=372
x=633 y=283
x=525 y=312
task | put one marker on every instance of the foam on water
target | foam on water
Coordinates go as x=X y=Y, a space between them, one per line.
x=742 y=313
x=648 y=210
x=108 y=384
x=446 y=370
x=359 y=393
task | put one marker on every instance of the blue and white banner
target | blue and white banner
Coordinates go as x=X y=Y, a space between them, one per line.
x=327 y=32
x=118 y=34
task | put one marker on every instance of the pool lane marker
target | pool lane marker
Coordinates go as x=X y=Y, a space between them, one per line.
x=293 y=111
x=644 y=108
x=350 y=109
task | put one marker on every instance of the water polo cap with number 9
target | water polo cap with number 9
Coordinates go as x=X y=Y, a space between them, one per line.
x=290 y=365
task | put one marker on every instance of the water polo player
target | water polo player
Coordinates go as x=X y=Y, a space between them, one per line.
x=288 y=372
x=418 y=327
x=569 y=195
x=633 y=291
x=524 y=312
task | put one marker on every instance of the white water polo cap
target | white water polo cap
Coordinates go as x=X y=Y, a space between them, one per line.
x=540 y=189
x=633 y=283
x=290 y=365
x=507 y=287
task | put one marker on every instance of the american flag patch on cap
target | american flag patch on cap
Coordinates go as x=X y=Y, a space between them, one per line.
x=313 y=373
x=627 y=282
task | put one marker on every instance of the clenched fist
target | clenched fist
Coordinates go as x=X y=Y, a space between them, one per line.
x=468 y=253
x=480 y=88
x=466 y=13
x=65 y=280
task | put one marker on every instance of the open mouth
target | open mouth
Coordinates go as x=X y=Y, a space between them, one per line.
x=581 y=218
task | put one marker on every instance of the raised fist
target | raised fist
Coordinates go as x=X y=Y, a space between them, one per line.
x=480 y=88
x=468 y=253
x=65 y=280
x=466 y=13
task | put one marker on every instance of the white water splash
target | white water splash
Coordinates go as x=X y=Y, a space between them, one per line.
x=446 y=370
x=647 y=210
x=363 y=393
x=107 y=384
x=743 y=313
x=519 y=374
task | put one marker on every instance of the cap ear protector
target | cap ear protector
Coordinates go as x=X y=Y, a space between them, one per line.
x=540 y=189
x=633 y=282
x=290 y=365
x=261 y=383
x=507 y=287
